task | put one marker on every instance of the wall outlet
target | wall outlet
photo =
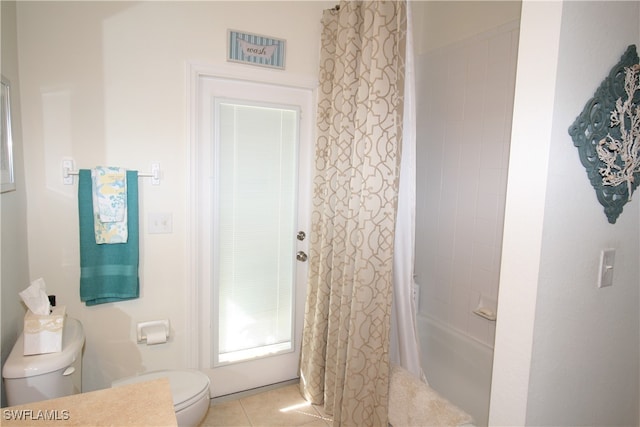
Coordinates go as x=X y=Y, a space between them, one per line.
x=160 y=223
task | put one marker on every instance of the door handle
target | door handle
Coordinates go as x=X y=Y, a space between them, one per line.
x=301 y=256
x=301 y=235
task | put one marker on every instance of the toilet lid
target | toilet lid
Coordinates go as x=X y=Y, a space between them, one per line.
x=186 y=386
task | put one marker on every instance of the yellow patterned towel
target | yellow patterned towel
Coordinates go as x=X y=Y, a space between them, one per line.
x=109 y=188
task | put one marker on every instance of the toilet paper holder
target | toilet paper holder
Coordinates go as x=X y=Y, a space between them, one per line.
x=143 y=327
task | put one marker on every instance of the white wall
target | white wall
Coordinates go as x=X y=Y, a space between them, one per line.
x=14 y=270
x=566 y=352
x=592 y=358
x=105 y=83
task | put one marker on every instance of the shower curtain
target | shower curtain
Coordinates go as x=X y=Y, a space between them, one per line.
x=345 y=346
x=404 y=337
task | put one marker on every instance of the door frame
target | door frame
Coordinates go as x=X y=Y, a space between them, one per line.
x=198 y=292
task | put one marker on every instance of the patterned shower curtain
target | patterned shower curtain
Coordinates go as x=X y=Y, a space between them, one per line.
x=345 y=346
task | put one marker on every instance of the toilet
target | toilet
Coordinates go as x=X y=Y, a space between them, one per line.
x=48 y=376
x=45 y=376
x=189 y=390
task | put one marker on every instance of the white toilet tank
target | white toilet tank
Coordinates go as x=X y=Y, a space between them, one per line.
x=45 y=376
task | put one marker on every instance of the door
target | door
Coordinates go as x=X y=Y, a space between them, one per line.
x=255 y=140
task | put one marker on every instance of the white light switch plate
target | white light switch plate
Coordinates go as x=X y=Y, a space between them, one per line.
x=605 y=276
x=160 y=223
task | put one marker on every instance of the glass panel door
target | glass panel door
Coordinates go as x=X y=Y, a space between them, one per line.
x=251 y=172
x=255 y=211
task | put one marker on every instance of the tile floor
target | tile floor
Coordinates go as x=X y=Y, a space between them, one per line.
x=282 y=406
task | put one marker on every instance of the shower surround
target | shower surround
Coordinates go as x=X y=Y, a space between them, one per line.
x=465 y=99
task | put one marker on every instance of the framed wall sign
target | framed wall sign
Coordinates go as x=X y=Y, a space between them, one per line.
x=255 y=49
x=7 y=180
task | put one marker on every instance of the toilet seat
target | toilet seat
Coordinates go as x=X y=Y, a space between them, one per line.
x=187 y=387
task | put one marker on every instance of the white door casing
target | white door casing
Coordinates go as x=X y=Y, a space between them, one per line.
x=261 y=86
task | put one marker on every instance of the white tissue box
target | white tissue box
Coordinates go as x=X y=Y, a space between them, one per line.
x=43 y=333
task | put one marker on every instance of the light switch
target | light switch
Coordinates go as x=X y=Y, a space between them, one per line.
x=605 y=276
x=160 y=223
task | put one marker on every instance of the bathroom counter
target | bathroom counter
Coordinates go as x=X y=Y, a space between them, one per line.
x=142 y=404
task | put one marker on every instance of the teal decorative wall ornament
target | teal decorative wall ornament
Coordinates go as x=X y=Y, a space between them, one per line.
x=607 y=135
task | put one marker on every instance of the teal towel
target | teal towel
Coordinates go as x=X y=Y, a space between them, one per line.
x=108 y=273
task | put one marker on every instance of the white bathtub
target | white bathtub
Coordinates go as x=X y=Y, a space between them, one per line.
x=457 y=366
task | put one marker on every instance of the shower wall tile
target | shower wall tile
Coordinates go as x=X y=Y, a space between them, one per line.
x=465 y=98
x=492 y=155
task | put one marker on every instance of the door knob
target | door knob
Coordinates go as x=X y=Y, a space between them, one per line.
x=301 y=256
x=301 y=235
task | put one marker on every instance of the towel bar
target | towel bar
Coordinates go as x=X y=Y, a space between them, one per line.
x=68 y=172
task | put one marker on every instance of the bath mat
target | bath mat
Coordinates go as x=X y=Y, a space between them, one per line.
x=413 y=403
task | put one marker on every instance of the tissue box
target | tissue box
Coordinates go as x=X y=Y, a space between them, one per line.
x=43 y=334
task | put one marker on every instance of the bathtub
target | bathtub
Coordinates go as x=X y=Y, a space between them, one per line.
x=456 y=366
